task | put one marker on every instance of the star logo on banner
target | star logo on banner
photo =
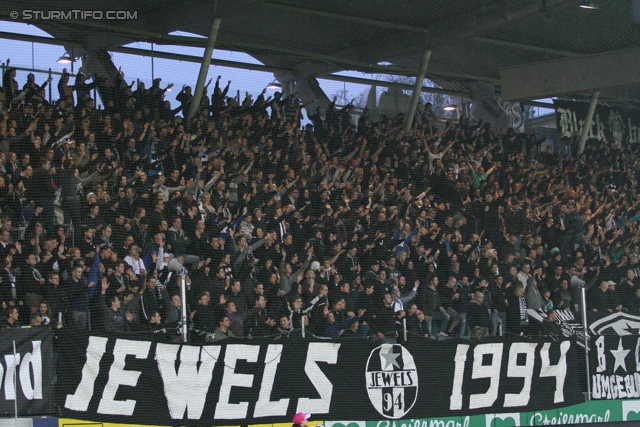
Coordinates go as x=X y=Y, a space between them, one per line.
x=619 y=354
x=391 y=359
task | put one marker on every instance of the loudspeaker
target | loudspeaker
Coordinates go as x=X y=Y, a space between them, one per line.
x=174 y=266
x=576 y=282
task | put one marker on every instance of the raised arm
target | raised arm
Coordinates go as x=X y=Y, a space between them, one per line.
x=90 y=178
x=194 y=187
x=364 y=145
x=174 y=189
x=383 y=144
x=469 y=163
x=448 y=147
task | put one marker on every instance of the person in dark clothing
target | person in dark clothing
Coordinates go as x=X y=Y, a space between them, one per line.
x=77 y=290
x=235 y=295
x=384 y=322
x=255 y=317
x=499 y=297
x=429 y=302
x=549 y=325
x=419 y=328
x=353 y=332
x=633 y=304
x=598 y=301
x=115 y=319
x=562 y=296
x=57 y=298
x=81 y=86
x=265 y=329
x=478 y=317
x=29 y=283
x=317 y=318
x=131 y=303
x=285 y=330
x=347 y=296
x=159 y=330
x=42 y=192
x=174 y=312
x=9 y=83
x=628 y=285
x=365 y=301
x=450 y=298
x=204 y=317
x=614 y=298
x=11 y=316
x=85 y=244
x=68 y=179
x=118 y=281
x=184 y=98
x=154 y=298
x=517 y=319
x=349 y=264
x=333 y=329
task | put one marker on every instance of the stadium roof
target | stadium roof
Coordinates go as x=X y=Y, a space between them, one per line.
x=470 y=40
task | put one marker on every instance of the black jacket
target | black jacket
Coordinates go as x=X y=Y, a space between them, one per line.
x=429 y=300
x=384 y=321
x=57 y=298
x=416 y=329
x=478 y=315
x=151 y=301
x=40 y=185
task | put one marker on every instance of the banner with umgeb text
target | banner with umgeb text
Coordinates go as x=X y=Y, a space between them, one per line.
x=615 y=367
x=26 y=372
x=122 y=380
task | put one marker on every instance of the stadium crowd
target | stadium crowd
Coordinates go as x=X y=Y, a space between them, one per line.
x=342 y=228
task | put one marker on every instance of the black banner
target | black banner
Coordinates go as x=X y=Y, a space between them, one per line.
x=615 y=367
x=616 y=125
x=617 y=323
x=26 y=373
x=570 y=326
x=239 y=382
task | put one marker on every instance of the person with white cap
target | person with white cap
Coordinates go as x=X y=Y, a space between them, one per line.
x=301 y=419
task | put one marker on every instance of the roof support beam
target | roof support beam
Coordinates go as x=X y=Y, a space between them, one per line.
x=204 y=65
x=37 y=39
x=415 y=95
x=198 y=60
x=346 y=18
x=588 y=121
x=143 y=52
x=540 y=104
x=471 y=23
x=385 y=83
x=524 y=46
x=459 y=76
x=570 y=76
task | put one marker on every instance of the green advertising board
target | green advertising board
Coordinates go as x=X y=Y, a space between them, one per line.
x=584 y=413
